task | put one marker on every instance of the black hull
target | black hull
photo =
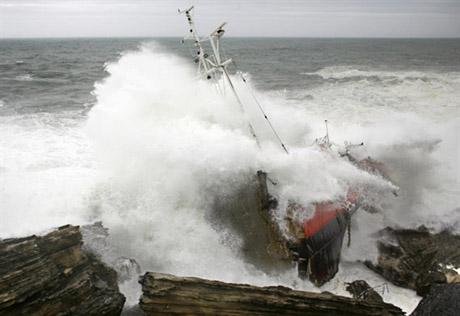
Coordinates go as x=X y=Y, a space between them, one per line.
x=319 y=255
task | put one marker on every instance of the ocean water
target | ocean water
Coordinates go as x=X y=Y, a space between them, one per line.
x=121 y=131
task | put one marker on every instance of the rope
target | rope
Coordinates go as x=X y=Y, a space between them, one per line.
x=349 y=233
x=271 y=181
x=261 y=109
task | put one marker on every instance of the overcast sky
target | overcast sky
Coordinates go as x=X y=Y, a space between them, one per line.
x=303 y=18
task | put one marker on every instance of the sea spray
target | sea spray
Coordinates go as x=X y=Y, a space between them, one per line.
x=410 y=124
x=47 y=170
x=172 y=145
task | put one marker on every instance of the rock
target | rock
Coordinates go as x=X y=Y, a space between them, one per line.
x=442 y=299
x=52 y=275
x=424 y=281
x=361 y=289
x=165 y=294
x=414 y=258
x=452 y=276
x=448 y=246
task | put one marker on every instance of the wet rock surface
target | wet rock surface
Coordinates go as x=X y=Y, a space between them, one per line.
x=53 y=275
x=442 y=299
x=165 y=294
x=417 y=259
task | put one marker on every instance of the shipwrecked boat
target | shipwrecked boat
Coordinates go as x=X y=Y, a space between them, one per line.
x=314 y=245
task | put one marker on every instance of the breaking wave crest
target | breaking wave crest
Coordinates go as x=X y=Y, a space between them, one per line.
x=422 y=92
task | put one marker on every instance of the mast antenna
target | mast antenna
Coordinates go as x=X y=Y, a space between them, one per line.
x=328 y=143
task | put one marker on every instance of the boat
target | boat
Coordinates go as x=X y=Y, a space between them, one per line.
x=318 y=241
x=315 y=245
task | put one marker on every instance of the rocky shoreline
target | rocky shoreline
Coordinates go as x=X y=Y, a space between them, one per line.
x=56 y=274
x=53 y=275
x=416 y=259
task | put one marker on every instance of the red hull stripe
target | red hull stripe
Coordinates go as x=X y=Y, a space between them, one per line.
x=326 y=212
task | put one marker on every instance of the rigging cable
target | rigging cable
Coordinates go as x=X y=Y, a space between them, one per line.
x=260 y=108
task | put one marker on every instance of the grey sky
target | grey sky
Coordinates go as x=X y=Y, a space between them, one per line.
x=307 y=18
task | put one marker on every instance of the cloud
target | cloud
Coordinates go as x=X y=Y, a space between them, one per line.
x=336 y=18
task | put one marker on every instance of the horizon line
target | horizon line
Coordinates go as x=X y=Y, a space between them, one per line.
x=260 y=36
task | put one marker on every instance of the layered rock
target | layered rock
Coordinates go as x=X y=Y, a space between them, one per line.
x=416 y=259
x=52 y=275
x=165 y=294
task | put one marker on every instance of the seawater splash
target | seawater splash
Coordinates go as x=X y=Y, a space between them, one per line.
x=169 y=142
x=46 y=171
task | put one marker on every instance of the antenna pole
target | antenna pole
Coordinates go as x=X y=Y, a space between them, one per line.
x=328 y=144
x=194 y=35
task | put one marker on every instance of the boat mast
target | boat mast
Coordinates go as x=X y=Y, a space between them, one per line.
x=201 y=59
x=208 y=67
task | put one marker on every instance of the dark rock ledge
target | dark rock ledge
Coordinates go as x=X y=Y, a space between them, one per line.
x=52 y=275
x=165 y=294
x=417 y=259
x=442 y=299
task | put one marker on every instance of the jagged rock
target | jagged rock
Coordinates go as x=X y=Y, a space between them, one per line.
x=442 y=299
x=165 y=294
x=362 y=290
x=448 y=246
x=424 y=281
x=452 y=276
x=414 y=258
x=52 y=275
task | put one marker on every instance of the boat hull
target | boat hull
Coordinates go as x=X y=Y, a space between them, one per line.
x=320 y=251
x=317 y=242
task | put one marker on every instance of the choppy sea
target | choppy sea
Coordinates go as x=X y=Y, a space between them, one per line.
x=121 y=131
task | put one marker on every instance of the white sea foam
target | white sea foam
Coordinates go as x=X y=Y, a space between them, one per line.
x=26 y=77
x=426 y=94
x=352 y=71
x=46 y=172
